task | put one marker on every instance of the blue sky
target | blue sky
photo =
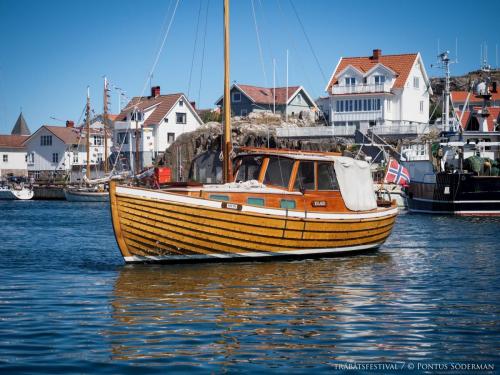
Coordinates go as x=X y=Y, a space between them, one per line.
x=53 y=49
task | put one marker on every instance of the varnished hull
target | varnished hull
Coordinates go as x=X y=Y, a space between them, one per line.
x=156 y=226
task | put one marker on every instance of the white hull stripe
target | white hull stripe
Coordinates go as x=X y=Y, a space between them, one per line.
x=183 y=199
x=454 y=202
x=150 y=258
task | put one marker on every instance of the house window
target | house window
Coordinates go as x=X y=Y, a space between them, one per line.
x=377 y=104
x=415 y=82
x=5 y=158
x=243 y=112
x=350 y=81
x=388 y=105
x=421 y=106
x=75 y=157
x=170 y=137
x=137 y=116
x=55 y=157
x=180 y=117
x=379 y=80
x=99 y=157
x=236 y=97
x=46 y=140
x=123 y=138
x=181 y=103
x=98 y=140
x=299 y=99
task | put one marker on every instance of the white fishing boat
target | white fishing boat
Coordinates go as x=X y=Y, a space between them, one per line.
x=98 y=194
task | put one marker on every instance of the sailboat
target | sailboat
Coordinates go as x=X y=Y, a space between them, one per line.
x=93 y=191
x=276 y=203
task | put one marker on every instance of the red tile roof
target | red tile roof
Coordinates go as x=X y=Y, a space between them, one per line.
x=490 y=120
x=461 y=97
x=163 y=103
x=400 y=64
x=12 y=141
x=264 y=95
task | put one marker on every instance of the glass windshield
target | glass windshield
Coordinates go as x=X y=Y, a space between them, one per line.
x=278 y=171
x=305 y=176
x=249 y=168
x=327 y=179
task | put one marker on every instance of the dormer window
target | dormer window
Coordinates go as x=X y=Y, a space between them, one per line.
x=379 y=80
x=350 y=81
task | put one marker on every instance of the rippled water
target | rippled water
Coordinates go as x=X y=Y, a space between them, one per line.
x=68 y=304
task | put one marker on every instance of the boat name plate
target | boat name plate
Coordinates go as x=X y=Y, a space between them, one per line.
x=232 y=206
x=319 y=203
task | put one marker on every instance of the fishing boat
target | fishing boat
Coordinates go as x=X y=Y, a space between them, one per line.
x=276 y=203
x=457 y=174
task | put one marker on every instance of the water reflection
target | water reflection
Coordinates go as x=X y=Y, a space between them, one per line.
x=237 y=312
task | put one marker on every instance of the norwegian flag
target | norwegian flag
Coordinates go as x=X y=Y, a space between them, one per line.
x=397 y=174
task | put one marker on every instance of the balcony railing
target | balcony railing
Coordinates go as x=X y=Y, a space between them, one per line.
x=316 y=131
x=361 y=89
x=357 y=116
x=400 y=128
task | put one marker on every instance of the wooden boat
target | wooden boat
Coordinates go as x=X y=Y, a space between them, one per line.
x=277 y=203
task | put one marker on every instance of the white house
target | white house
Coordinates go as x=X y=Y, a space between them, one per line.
x=13 y=151
x=59 y=151
x=158 y=120
x=386 y=94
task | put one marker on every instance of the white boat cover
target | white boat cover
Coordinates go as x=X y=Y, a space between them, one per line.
x=356 y=184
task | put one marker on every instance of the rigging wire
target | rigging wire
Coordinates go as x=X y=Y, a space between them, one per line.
x=203 y=51
x=258 y=43
x=194 y=49
x=167 y=32
x=308 y=40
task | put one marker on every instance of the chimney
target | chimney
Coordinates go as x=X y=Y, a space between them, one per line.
x=193 y=104
x=376 y=54
x=70 y=124
x=155 y=91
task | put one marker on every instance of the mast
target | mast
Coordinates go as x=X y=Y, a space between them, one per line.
x=105 y=123
x=227 y=146
x=286 y=102
x=87 y=135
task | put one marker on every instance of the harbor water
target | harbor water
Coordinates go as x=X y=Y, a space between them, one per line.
x=68 y=304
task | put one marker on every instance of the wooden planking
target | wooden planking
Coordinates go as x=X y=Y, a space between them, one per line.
x=183 y=237
x=233 y=231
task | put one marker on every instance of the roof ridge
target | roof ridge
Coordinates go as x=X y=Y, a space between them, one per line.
x=385 y=55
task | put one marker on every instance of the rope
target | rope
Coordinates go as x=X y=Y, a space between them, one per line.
x=258 y=43
x=194 y=50
x=308 y=40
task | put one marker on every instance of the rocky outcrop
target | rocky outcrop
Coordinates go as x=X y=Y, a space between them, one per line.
x=259 y=131
x=462 y=83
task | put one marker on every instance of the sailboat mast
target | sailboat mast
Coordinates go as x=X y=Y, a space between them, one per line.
x=105 y=124
x=87 y=131
x=227 y=146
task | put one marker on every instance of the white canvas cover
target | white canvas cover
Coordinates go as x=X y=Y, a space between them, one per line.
x=356 y=184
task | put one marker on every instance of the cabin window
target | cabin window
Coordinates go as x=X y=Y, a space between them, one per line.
x=249 y=168
x=256 y=201
x=219 y=197
x=327 y=179
x=180 y=117
x=278 y=171
x=236 y=97
x=305 y=176
x=287 y=203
